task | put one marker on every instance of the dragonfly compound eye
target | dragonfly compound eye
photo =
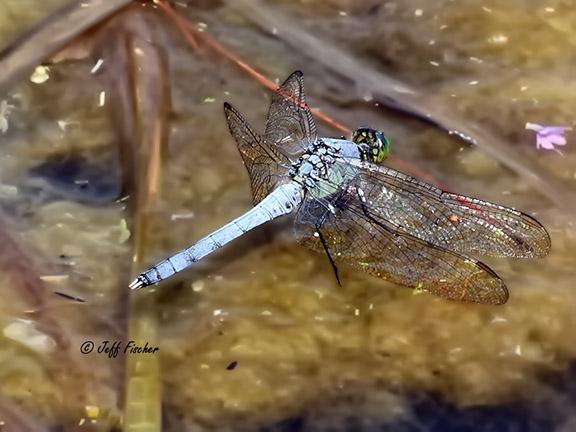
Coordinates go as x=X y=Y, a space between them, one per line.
x=373 y=144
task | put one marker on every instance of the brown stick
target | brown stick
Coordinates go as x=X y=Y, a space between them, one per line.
x=138 y=80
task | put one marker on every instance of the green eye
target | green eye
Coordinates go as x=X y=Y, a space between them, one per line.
x=383 y=147
x=374 y=146
x=379 y=156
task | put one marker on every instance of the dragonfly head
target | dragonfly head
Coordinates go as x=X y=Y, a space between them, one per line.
x=373 y=144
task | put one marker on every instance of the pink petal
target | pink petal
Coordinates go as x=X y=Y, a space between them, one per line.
x=544 y=142
x=553 y=130
x=557 y=140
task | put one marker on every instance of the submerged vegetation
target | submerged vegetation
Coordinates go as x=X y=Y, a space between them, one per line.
x=115 y=152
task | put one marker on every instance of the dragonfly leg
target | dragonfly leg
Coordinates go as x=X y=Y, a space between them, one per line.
x=325 y=246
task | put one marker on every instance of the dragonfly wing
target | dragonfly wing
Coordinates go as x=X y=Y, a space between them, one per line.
x=355 y=236
x=265 y=164
x=289 y=124
x=449 y=220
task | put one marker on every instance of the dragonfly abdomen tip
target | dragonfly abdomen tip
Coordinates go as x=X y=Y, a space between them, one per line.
x=137 y=283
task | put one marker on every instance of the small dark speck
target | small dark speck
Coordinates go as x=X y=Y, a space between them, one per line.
x=69 y=297
x=374 y=9
x=232 y=365
x=63 y=256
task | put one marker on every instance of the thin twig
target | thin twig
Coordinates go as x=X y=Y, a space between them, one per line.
x=180 y=22
x=188 y=28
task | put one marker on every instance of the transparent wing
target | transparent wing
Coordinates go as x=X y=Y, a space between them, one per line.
x=289 y=124
x=449 y=220
x=356 y=236
x=264 y=163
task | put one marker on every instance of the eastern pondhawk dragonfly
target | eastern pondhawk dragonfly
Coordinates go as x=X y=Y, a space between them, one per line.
x=364 y=214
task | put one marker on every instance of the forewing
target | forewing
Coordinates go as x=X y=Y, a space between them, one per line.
x=264 y=163
x=449 y=220
x=365 y=241
x=289 y=124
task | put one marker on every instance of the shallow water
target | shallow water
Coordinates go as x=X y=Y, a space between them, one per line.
x=307 y=354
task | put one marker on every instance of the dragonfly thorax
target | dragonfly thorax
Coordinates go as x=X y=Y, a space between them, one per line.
x=314 y=164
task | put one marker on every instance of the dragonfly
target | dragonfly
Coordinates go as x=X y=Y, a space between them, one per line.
x=359 y=212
